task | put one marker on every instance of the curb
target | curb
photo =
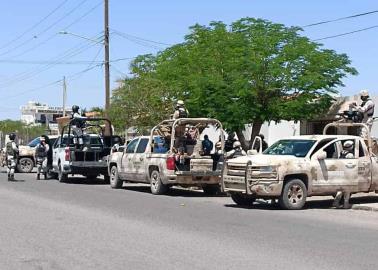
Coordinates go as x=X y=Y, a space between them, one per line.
x=364 y=208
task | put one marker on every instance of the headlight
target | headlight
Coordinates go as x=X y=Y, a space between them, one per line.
x=268 y=169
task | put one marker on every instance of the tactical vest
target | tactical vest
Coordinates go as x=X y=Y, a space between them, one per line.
x=369 y=112
x=182 y=113
x=238 y=153
x=41 y=151
x=9 y=149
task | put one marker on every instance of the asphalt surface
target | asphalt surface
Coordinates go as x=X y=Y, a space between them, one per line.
x=87 y=225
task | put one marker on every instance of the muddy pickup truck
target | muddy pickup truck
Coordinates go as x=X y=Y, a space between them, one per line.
x=295 y=168
x=171 y=156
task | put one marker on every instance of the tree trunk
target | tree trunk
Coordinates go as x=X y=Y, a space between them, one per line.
x=242 y=140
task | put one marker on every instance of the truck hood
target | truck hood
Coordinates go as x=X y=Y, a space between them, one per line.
x=263 y=160
x=25 y=150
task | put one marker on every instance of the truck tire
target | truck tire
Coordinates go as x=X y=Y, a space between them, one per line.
x=25 y=165
x=62 y=177
x=115 y=182
x=211 y=189
x=294 y=194
x=243 y=199
x=157 y=187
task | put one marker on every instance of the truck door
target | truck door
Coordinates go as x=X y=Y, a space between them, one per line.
x=126 y=161
x=334 y=171
x=139 y=160
x=55 y=153
x=364 y=167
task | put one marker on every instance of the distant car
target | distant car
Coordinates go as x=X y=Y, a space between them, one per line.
x=26 y=160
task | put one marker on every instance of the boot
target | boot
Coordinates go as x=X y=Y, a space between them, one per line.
x=336 y=202
x=38 y=176
x=346 y=204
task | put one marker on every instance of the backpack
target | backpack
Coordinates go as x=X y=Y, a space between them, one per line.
x=40 y=151
x=9 y=149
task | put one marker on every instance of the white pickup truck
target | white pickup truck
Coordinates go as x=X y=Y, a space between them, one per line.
x=171 y=155
x=89 y=159
x=294 y=168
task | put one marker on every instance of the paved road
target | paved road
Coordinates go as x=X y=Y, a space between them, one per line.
x=84 y=225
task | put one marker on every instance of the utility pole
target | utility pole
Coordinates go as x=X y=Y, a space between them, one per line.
x=64 y=95
x=106 y=62
x=107 y=67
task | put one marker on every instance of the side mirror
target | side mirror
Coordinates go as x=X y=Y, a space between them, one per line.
x=252 y=152
x=322 y=155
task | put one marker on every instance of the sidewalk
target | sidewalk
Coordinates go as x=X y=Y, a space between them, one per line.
x=360 y=201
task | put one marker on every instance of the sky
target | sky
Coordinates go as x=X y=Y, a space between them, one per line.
x=34 y=57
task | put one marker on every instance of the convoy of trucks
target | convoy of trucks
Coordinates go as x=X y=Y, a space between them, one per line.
x=289 y=171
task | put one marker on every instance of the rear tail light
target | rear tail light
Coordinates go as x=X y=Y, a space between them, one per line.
x=67 y=154
x=171 y=163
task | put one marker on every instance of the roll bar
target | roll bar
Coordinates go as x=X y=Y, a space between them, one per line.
x=344 y=124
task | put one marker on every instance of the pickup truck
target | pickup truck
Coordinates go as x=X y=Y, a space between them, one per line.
x=89 y=159
x=171 y=155
x=295 y=168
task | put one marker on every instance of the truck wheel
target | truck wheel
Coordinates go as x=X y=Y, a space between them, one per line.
x=25 y=165
x=293 y=195
x=211 y=189
x=243 y=199
x=62 y=177
x=157 y=187
x=115 y=182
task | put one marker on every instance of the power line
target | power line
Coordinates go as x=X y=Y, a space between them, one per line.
x=46 y=29
x=34 y=25
x=140 y=38
x=342 y=18
x=347 y=33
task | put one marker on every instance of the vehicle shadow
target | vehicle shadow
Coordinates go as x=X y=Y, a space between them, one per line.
x=84 y=181
x=172 y=192
x=312 y=204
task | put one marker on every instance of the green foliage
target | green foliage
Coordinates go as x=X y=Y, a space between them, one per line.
x=24 y=132
x=249 y=72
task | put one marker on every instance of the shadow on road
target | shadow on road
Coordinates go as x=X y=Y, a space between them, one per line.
x=173 y=191
x=84 y=181
x=313 y=204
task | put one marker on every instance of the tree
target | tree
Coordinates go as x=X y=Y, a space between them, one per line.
x=253 y=71
x=24 y=132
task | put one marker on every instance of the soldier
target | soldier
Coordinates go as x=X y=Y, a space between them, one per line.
x=348 y=150
x=40 y=154
x=367 y=109
x=11 y=155
x=237 y=151
x=207 y=145
x=180 y=110
x=78 y=125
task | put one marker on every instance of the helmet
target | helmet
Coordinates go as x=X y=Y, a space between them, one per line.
x=364 y=93
x=75 y=108
x=180 y=103
x=12 y=136
x=262 y=136
x=236 y=144
x=348 y=145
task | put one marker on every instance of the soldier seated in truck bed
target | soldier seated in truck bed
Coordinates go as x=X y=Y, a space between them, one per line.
x=171 y=155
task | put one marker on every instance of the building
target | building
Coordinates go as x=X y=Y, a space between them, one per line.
x=283 y=129
x=35 y=113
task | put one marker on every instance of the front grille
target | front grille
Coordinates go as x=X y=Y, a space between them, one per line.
x=236 y=170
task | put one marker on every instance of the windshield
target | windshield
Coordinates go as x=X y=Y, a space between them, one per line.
x=34 y=142
x=298 y=148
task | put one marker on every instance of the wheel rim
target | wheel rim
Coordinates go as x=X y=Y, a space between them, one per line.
x=25 y=164
x=155 y=181
x=113 y=176
x=295 y=194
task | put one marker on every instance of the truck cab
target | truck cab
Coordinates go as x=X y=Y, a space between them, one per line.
x=295 y=168
x=171 y=155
